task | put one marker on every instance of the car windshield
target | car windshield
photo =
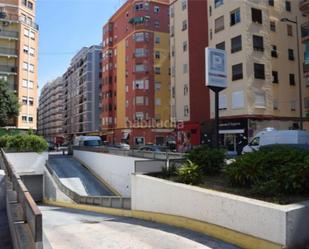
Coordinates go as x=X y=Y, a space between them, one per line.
x=93 y=143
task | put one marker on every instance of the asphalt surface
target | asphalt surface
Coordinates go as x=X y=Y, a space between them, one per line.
x=76 y=177
x=67 y=228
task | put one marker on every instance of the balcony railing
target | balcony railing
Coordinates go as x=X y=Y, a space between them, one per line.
x=304 y=6
x=8 y=69
x=9 y=34
x=306 y=68
x=8 y=52
x=305 y=31
x=15 y=18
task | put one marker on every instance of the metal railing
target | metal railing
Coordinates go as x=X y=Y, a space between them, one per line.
x=16 y=18
x=156 y=166
x=9 y=34
x=102 y=201
x=8 y=51
x=8 y=69
x=31 y=216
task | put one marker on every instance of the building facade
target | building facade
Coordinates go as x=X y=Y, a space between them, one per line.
x=136 y=74
x=189 y=95
x=82 y=93
x=263 y=66
x=19 y=57
x=50 y=111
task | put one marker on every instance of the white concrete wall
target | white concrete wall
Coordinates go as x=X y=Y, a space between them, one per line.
x=28 y=163
x=2 y=190
x=257 y=218
x=115 y=170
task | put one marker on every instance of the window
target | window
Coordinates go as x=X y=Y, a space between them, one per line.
x=184 y=4
x=291 y=54
x=274 y=51
x=138 y=37
x=186 y=111
x=32 y=35
x=156 y=9
x=271 y=2
x=140 y=52
x=185 y=68
x=238 y=100
x=157 y=24
x=157 y=70
x=236 y=44
x=185 y=46
x=272 y=25
x=222 y=102
x=289 y=29
x=26 y=32
x=32 y=51
x=172 y=11
x=288 y=6
x=157 y=86
x=139 y=115
x=185 y=90
x=218 y=3
x=237 y=72
x=31 y=101
x=24 y=2
x=256 y=15
x=255 y=142
x=139 y=140
x=30 y=5
x=275 y=77
x=157 y=54
x=25 y=101
x=24 y=118
x=25 y=66
x=260 y=100
x=221 y=46
x=157 y=39
x=184 y=25
x=158 y=101
x=140 y=68
x=259 y=71
x=139 y=100
x=219 y=24
x=139 y=6
x=235 y=17
x=292 y=79
x=26 y=49
x=258 y=43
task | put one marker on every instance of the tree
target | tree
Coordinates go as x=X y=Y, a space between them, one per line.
x=9 y=106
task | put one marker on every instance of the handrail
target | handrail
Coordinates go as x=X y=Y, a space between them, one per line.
x=103 y=201
x=32 y=215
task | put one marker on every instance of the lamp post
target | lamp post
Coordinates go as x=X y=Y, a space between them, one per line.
x=299 y=71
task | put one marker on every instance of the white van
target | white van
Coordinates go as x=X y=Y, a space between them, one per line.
x=88 y=141
x=272 y=136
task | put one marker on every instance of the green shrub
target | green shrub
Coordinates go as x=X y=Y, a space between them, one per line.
x=211 y=161
x=169 y=172
x=20 y=143
x=277 y=170
x=189 y=173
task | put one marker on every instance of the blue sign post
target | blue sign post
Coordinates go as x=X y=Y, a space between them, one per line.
x=216 y=79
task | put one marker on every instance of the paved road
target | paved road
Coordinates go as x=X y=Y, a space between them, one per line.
x=66 y=229
x=76 y=177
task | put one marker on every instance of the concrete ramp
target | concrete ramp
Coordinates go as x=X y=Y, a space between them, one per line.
x=76 y=177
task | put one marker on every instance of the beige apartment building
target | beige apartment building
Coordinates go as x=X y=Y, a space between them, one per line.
x=19 y=56
x=263 y=73
x=51 y=110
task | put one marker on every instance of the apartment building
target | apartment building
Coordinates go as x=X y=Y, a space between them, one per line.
x=263 y=79
x=136 y=74
x=50 y=111
x=189 y=95
x=19 y=57
x=82 y=92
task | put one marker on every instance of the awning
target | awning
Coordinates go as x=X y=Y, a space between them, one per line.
x=239 y=131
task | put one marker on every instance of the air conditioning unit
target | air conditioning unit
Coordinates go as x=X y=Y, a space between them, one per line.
x=3 y=15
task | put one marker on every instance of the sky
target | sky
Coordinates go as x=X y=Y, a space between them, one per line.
x=65 y=27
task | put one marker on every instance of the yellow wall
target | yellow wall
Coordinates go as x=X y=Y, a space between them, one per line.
x=164 y=63
x=121 y=84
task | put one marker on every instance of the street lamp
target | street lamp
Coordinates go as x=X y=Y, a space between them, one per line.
x=299 y=71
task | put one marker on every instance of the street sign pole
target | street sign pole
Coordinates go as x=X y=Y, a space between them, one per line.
x=216 y=80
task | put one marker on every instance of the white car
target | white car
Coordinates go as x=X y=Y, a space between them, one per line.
x=88 y=141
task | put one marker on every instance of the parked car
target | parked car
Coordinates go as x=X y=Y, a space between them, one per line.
x=272 y=137
x=153 y=148
x=88 y=141
x=51 y=146
x=122 y=146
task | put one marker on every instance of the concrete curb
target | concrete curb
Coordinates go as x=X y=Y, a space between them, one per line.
x=221 y=233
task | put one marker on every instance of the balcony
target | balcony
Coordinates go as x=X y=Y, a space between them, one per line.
x=9 y=70
x=306 y=69
x=305 y=32
x=8 y=52
x=304 y=6
x=11 y=35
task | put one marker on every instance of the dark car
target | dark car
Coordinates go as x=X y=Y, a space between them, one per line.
x=153 y=148
x=51 y=145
